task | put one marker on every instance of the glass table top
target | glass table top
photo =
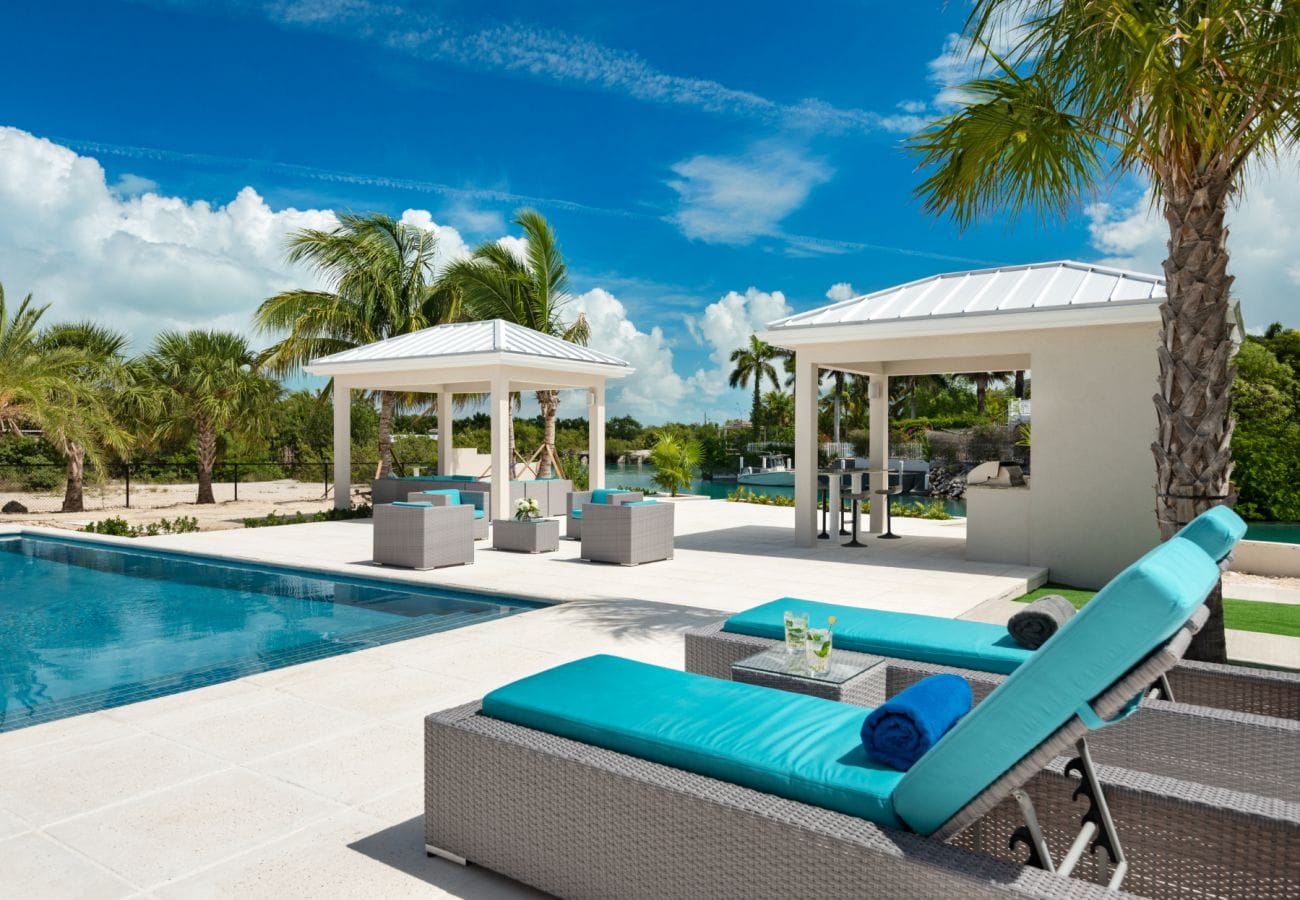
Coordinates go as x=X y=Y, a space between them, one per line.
x=844 y=665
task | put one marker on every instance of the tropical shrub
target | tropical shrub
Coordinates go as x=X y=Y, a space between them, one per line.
x=119 y=527
x=675 y=461
x=363 y=511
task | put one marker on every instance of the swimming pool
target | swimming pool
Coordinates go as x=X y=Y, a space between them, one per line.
x=1274 y=532
x=85 y=627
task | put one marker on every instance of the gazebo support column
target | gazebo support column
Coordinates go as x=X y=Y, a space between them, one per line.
x=878 y=428
x=805 y=450
x=445 y=415
x=596 y=437
x=342 y=445
x=500 y=449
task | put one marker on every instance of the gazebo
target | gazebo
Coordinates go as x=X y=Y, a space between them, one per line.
x=1090 y=336
x=493 y=358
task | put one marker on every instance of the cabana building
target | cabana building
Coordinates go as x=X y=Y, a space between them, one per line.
x=494 y=358
x=1089 y=335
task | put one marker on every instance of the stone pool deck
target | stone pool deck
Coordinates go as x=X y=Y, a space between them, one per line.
x=307 y=781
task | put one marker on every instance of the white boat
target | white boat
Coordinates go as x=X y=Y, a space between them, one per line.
x=772 y=471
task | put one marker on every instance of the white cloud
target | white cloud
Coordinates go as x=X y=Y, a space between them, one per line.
x=655 y=391
x=841 y=290
x=735 y=199
x=1264 y=234
x=148 y=262
x=128 y=185
x=728 y=322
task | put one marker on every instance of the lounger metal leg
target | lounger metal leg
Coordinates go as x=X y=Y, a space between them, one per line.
x=1098 y=833
x=431 y=850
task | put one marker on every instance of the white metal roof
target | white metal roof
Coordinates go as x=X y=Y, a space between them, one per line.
x=1036 y=288
x=458 y=342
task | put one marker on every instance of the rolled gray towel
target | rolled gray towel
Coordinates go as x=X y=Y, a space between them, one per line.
x=1033 y=625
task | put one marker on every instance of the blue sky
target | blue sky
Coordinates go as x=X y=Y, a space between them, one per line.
x=695 y=161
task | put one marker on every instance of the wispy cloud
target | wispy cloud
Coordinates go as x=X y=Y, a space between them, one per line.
x=551 y=55
x=311 y=173
x=736 y=199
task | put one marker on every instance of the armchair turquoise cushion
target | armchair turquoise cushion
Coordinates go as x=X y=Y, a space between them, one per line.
x=452 y=494
x=943 y=642
x=409 y=503
x=576 y=514
x=602 y=495
x=795 y=746
x=641 y=503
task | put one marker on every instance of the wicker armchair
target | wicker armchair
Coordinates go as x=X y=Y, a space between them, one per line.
x=423 y=537
x=627 y=533
x=475 y=500
x=576 y=500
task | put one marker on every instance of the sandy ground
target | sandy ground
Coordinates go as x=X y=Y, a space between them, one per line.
x=150 y=502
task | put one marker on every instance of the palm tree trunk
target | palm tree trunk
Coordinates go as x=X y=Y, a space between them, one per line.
x=911 y=397
x=385 y=466
x=839 y=392
x=1020 y=384
x=1193 y=409
x=74 y=458
x=549 y=402
x=981 y=391
x=206 y=447
x=756 y=412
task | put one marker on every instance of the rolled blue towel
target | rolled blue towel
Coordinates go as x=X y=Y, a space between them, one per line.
x=1033 y=625
x=900 y=731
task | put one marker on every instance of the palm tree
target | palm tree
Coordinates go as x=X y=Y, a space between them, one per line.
x=206 y=383
x=982 y=380
x=532 y=291
x=44 y=386
x=751 y=366
x=1186 y=94
x=88 y=418
x=381 y=283
x=778 y=409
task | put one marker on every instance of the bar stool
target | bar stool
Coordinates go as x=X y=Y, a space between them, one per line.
x=824 y=498
x=888 y=492
x=857 y=498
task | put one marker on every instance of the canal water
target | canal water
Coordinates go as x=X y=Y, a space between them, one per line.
x=632 y=476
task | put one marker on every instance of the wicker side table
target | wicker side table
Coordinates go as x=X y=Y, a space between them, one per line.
x=851 y=677
x=537 y=536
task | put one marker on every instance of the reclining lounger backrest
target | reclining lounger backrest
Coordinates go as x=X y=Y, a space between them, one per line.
x=1138 y=611
x=1216 y=531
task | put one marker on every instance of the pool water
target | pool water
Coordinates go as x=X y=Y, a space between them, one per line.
x=1276 y=532
x=85 y=627
x=643 y=477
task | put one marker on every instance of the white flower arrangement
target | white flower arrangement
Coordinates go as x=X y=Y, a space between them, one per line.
x=527 y=509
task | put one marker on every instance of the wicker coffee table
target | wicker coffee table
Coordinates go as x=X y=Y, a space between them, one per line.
x=537 y=536
x=849 y=677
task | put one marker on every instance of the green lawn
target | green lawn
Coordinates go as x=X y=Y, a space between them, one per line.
x=1243 y=615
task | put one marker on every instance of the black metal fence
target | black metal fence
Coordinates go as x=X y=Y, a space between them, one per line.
x=38 y=487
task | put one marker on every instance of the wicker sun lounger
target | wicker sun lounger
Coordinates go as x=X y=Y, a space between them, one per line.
x=1260 y=692
x=578 y=819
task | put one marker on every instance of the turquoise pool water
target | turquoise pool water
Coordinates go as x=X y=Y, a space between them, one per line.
x=1277 y=532
x=83 y=627
x=642 y=477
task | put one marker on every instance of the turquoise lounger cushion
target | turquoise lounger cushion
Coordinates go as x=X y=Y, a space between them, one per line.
x=405 y=503
x=794 y=746
x=943 y=642
x=1132 y=615
x=452 y=494
x=1216 y=531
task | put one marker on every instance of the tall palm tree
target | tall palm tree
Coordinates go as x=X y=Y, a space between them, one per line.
x=206 y=383
x=380 y=283
x=533 y=291
x=778 y=409
x=89 y=418
x=45 y=387
x=1186 y=93
x=751 y=366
